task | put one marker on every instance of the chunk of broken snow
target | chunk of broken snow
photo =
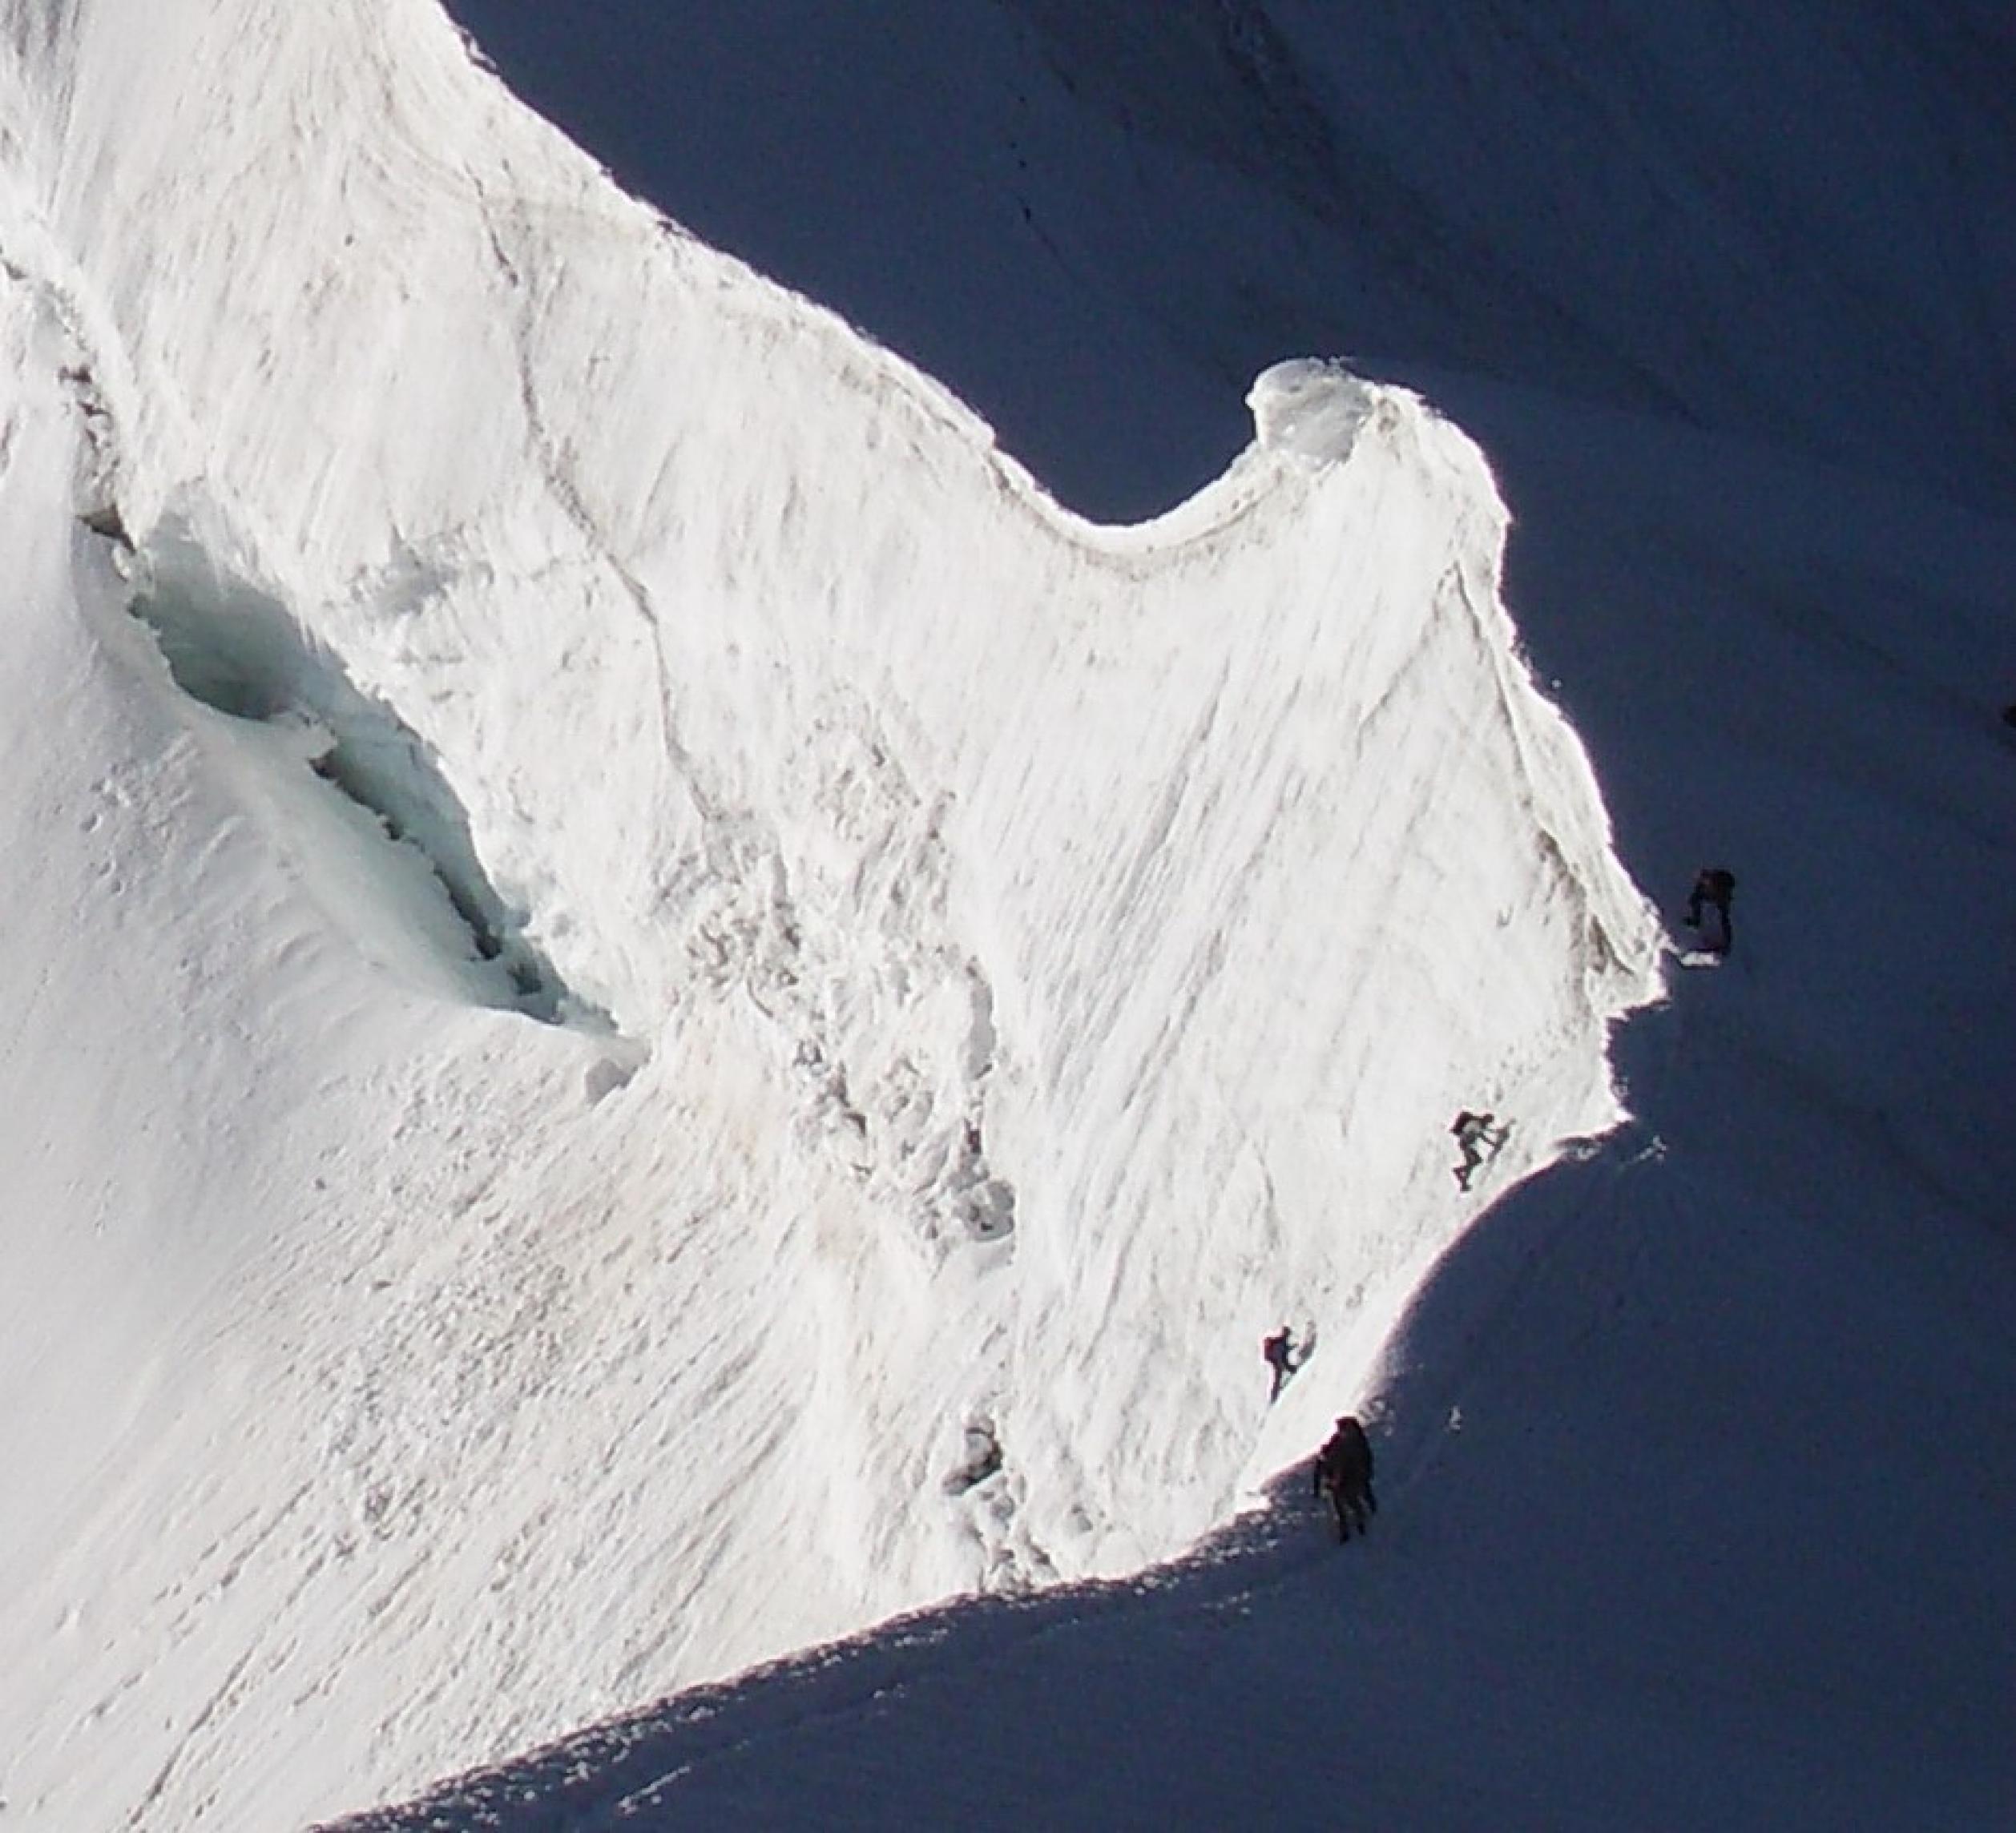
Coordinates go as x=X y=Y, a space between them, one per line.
x=1311 y=410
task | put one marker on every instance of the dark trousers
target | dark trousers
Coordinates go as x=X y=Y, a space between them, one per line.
x=1694 y=903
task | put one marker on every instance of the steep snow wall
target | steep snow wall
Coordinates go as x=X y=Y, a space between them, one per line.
x=997 y=966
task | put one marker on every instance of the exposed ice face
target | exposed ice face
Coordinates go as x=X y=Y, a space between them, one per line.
x=336 y=775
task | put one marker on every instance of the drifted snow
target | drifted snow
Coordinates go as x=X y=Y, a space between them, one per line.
x=1000 y=967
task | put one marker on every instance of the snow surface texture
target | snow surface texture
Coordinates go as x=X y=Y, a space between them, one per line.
x=660 y=1011
x=1696 y=1451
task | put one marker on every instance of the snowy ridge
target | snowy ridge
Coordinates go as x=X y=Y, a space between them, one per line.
x=1795 y=229
x=998 y=966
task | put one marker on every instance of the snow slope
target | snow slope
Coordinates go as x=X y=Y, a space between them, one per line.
x=662 y=1012
x=1698 y=1508
x=1695 y=1452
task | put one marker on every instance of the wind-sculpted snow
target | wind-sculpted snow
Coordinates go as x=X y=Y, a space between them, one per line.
x=1011 y=963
